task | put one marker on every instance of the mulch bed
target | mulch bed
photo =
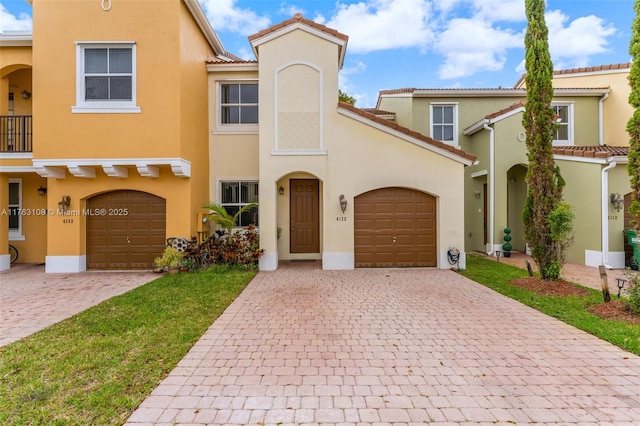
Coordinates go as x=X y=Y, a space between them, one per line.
x=614 y=310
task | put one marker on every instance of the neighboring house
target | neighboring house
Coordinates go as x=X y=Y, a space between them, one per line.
x=588 y=144
x=104 y=142
x=136 y=127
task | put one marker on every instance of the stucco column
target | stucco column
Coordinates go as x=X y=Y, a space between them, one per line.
x=4 y=222
x=268 y=226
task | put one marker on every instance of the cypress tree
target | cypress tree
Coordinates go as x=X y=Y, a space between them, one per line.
x=543 y=178
x=633 y=126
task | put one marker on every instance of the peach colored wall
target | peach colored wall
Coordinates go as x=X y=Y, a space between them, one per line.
x=34 y=219
x=155 y=27
x=67 y=233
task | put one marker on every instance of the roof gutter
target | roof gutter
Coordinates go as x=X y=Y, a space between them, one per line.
x=605 y=214
x=601 y=118
x=491 y=186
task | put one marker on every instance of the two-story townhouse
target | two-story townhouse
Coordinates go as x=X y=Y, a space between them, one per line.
x=335 y=183
x=488 y=124
x=117 y=160
x=138 y=127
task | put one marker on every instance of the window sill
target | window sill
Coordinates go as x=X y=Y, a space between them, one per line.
x=104 y=110
x=249 y=130
x=16 y=237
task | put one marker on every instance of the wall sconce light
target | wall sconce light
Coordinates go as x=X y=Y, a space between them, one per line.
x=26 y=94
x=617 y=200
x=42 y=191
x=205 y=220
x=64 y=203
x=343 y=203
x=476 y=194
x=281 y=191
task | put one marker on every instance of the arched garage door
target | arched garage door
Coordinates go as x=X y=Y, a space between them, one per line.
x=125 y=230
x=395 y=227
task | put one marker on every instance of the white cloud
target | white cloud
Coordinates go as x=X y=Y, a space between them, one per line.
x=384 y=24
x=225 y=16
x=488 y=10
x=571 y=45
x=290 y=10
x=9 y=22
x=470 y=46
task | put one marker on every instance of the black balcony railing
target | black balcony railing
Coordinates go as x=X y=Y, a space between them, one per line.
x=16 y=133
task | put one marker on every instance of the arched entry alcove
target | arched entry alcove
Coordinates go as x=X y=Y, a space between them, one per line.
x=516 y=197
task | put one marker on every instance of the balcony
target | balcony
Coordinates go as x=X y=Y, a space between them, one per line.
x=16 y=133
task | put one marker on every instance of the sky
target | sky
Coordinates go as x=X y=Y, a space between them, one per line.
x=421 y=43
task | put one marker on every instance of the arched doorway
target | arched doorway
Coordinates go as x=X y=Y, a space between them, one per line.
x=516 y=197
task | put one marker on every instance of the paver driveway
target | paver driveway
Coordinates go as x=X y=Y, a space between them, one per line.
x=31 y=300
x=392 y=347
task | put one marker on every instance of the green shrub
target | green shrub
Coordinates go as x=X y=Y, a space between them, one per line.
x=552 y=272
x=633 y=303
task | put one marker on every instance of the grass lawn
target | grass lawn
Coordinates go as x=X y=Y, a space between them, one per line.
x=95 y=368
x=571 y=309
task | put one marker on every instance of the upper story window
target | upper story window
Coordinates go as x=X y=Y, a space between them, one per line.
x=105 y=77
x=444 y=126
x=239 y=103
x=236 y=194
x=563 y=132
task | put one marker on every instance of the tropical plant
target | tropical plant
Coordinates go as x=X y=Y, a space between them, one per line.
x=225 y=220
x=543 y=177
x=170 y=258
x=633 y=126
x=344 y=97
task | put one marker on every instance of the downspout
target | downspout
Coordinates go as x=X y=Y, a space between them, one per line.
x=605 y=215
x=601 y=119
x=491 y=185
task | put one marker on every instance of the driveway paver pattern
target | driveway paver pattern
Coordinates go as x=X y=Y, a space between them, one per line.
x=396 y=347
x=31 y=300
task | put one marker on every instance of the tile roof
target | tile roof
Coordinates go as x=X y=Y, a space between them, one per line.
x=596 y=151
x=376 y=111
x=597 y=68
x=594 y=69
x=521 y=103
x=407 y=131
x=396 y=91
x=299 y=18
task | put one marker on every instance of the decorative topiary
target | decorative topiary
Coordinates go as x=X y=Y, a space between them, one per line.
x=507 y=247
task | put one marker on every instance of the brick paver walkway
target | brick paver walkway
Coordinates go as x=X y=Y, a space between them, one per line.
x=304 y=346
x=31 y=300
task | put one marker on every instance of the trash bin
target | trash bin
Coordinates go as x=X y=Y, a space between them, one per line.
x=634 y=242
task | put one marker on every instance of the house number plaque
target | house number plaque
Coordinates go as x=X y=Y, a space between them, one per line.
x=341 y=219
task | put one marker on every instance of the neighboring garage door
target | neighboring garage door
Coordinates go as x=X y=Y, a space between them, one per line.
x=125 y=230
x=395 y=227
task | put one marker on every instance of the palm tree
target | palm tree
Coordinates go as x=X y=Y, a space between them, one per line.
x=226 y=221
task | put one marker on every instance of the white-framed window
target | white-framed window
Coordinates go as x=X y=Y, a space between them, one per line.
x=563 y=132
x=106 y=77
x=236 y=194
x=238 y=105
x=15 y=208
x=444 y=123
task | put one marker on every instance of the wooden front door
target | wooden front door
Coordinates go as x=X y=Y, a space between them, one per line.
x=305 y=216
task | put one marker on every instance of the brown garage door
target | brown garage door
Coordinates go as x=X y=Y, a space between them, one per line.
x=125 y=230
x=395 y=227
